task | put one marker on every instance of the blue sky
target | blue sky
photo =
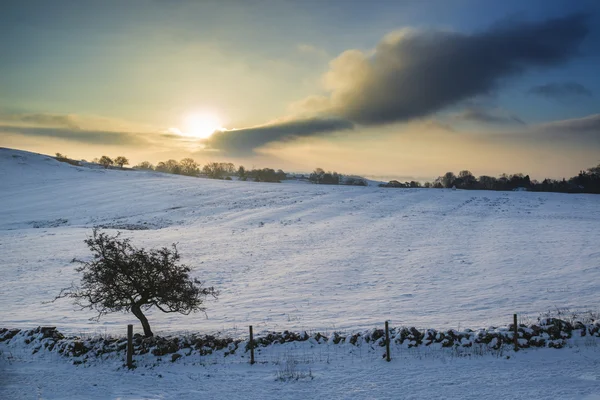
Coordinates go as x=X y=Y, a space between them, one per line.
x=145 y=67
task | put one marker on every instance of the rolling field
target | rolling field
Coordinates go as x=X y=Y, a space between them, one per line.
x=297 y=256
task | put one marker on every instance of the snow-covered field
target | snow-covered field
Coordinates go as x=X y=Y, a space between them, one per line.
x=289 y=256
x=304 y=257
x=541 y=374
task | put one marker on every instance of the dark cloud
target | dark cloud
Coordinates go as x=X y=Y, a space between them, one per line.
x=561 y=90
x=412 y=74
x=78 y=135
x=417 y=73
x=481 y=115
x=243 y=141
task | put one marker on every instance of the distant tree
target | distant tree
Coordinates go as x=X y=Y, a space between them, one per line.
x=487 y=182
x=465 y=180
x=594 y=170
x=161 y=167
x=264 y=175
x=121 y=277
x=63 y=158
x=218 y=170
x=280 y=175
x=587 y=181
x=189 y=167
x=241 y=172
x=427 y=185
x=173 y=167
x=145 y=165
x=395 y=184
x=355 y=181
x=330 y=178
x=105 y=161
x=228 y=168
x=448 y=179
x=213 y=170
x=120 y=161
x=317 y=175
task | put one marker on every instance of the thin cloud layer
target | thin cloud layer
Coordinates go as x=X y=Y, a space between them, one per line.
x=412 y=74
x=488 y=117
x=585 y=130
x=53 y=120
x=582 y=133
x=78 y=135
x=243 y=141
x=561 y=90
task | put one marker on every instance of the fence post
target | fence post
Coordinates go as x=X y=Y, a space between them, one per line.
x=516 y=332
x=129 y=346
x=387 y=342
x=251 y=346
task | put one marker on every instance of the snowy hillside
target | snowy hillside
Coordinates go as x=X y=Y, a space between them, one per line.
x=299 y=257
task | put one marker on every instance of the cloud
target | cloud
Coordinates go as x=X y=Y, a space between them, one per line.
x=244 y=141
x=78 y=135
x=585 y=130
x=53 y=120
x=581 y=133
x=560 y=90
x=414 y=73
x=487 y=117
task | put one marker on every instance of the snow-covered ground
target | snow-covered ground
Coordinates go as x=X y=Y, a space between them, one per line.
x=299 y=257
x=303 y=257
x=540 y=374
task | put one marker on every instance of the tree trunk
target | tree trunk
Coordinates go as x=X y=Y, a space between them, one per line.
x=137 y=311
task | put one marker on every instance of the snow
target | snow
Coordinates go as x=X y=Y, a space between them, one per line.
x=299 y=256
x=302 y=257
x=569 y=373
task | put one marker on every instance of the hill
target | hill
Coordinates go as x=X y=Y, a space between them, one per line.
x=299 y=256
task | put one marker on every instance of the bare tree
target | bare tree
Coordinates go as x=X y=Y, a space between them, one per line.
x=216 y=170
x=145 y=165
x=121 y=277
x=105 y=161
x=189 y=167
x=120 y=161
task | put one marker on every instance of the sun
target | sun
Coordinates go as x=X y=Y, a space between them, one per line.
x=201 y=125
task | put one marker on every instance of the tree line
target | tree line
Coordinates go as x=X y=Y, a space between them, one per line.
x=108 y=162
x=214 y=170
x=225 y=170
x=320 y=177
x=587 y=181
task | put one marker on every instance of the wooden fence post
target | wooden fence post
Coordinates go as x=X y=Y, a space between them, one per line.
x=516 y=332
x=129 y=346
x=387 y=342
x=251 y=346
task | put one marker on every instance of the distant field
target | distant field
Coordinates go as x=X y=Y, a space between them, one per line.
x=288 y=256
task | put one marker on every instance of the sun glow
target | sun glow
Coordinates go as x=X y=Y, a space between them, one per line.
x=201 y=125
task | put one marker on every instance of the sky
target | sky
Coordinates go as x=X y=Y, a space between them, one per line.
x=407 y=89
